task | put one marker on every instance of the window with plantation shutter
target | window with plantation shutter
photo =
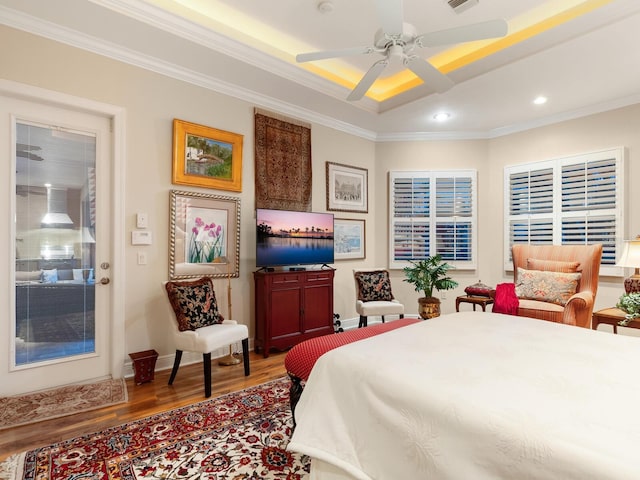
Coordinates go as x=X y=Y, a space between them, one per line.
x=576 y=200
x=433 y=212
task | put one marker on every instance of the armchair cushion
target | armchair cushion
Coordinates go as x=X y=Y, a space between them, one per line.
x=194 y=303
x=553 y=287
x=552 y=265
x=374 y=286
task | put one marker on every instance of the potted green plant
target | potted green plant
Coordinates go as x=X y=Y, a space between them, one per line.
x=426 y=276
x=630 y=304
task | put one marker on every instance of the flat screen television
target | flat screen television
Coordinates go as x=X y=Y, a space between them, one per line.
x=286 y=237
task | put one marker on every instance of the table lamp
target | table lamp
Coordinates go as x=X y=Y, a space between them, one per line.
x=229 y=359
x=631 y=258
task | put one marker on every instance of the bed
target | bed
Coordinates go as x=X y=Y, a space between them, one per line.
x=474 y=395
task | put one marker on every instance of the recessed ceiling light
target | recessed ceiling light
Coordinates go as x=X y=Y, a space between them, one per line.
x=325 y=6
x=442 y=117
x=540 y=100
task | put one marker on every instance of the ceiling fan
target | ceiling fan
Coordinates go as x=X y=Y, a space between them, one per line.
x=25 y=151
x=397 y=40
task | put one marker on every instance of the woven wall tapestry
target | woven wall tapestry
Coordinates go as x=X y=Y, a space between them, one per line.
x=283 y=162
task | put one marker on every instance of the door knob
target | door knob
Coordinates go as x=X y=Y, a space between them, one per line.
x=105 y=280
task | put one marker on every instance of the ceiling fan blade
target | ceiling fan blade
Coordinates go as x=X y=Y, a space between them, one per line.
x=342 y=52
x=466 y=33
x=29 y=155
x=365 y=82
x=429 y=74
x=390 y=16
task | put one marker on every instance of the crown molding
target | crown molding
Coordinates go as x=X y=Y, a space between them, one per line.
x=36 y=26
x=566 y=116
x=200 y=35
x=164 y=20
x=430 y=136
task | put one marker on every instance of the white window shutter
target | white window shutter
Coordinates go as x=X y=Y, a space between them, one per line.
x=433 y=212
x=575 y=201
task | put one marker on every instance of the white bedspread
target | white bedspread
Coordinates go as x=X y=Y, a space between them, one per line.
x=473 y=396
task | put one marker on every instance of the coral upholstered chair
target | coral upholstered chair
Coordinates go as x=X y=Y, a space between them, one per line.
x=567 y=261
x=198 y=326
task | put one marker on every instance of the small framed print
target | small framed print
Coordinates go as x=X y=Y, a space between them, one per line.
x=349 y=239
x=347 y=188
x=206 y=157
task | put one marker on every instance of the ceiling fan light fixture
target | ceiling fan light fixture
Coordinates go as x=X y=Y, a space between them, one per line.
x=397 y=40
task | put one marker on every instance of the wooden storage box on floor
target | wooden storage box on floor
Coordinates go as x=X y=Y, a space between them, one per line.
x=144 y=364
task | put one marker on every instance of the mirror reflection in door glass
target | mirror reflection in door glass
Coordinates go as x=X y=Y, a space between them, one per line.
x=55 y=244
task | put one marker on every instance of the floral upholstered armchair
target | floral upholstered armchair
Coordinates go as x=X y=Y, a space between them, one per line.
x=557 y=283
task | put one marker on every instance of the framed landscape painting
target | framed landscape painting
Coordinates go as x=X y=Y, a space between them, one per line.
x=206 y=157
x=349 y=239
x=347 y=188
x=205 y=235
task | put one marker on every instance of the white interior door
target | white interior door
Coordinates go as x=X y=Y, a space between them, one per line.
x=58 y=323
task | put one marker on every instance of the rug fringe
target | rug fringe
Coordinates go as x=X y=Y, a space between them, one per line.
x=11 y=466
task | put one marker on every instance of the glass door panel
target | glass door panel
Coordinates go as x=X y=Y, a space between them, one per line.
x=55 y=244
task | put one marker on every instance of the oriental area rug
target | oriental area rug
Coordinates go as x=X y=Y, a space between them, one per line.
x=238 y=436
x=59 y=402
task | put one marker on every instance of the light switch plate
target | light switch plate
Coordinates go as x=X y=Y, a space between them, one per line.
x=142 y=220
x=141 y=237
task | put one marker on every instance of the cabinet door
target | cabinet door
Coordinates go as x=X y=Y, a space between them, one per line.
x=318 y=308
x=285 y=312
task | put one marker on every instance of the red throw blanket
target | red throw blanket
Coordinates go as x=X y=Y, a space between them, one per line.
x=506 y=300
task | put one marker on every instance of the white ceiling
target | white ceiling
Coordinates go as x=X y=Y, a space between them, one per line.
x=247 y=48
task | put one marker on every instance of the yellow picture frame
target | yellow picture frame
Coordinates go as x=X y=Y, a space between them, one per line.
x=206 y=157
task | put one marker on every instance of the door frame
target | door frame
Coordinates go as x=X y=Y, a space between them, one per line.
x=117 y=115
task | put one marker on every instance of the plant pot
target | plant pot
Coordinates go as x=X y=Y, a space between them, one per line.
x=428 y=307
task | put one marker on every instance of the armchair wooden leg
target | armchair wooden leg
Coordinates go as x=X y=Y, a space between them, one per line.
x=206 y=358
x=245 y=356
x=382 y=318
x=176 y=364
x=363 y=321
x=402 y=315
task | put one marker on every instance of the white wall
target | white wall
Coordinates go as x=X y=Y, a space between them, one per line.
x=433 y=155
x=152 y=102
x=615 y=128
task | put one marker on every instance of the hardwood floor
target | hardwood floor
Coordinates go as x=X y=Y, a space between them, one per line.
x=144 y=400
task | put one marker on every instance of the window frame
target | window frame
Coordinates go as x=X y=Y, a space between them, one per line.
x=557 y=215
x=432 y=219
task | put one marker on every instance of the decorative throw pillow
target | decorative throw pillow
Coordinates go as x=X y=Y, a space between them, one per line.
x=374 y=286
x=194 y=303
x=554 y=287
x=50 y=276
x=78 y=274
x=552 y=265
x=34 y=276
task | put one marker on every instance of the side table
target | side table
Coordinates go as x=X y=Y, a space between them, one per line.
x=611 y=316
x=482 y=301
